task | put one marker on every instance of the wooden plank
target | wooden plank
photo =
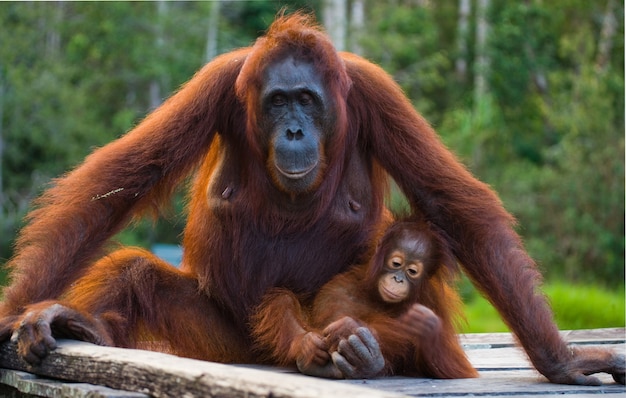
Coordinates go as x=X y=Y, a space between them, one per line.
x=511 y=357
x=504 y=371
x=490 y=383
x=594 y=336
x=163 y=375
x=26 y=384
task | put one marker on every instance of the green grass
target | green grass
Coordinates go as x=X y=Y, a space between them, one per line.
x=574 y=306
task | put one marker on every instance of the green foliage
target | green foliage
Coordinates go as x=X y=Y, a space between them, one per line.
x=74 y=76
x=481 y=317
x=554 y=153
x=548 y=135
x=478 y=136
x=405 y=42
x=590 y=157
x=575 y=306
x=585 y=307
x=522 y=49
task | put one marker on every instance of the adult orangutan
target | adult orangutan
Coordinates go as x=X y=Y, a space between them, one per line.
x=390 y=296
x=291 y=141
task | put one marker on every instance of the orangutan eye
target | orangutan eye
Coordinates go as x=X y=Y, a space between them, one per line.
x=305 y=99
x=414 y=271
x=279 y=100
x=395 y=262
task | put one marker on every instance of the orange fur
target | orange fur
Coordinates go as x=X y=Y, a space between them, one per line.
x=354 y=294
x=244 y=236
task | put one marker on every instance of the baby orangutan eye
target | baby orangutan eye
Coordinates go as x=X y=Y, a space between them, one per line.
x=414 y=271
x=395 y=262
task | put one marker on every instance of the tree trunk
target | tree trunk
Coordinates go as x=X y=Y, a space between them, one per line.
x=481 y=70
x=462 y=37
x=357 y=26
x=211 y=38
x=51 y=24
x=155 y=83
x=606 y=37
x=1 y=144
x=336 y=22
x=482 y=59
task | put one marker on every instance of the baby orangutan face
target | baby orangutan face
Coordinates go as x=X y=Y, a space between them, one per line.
x=405 y=264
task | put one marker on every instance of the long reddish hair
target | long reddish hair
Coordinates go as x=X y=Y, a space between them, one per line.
x=440 y=259
x=299 y=36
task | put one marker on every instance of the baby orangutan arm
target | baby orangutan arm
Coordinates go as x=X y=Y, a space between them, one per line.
x=291 y=343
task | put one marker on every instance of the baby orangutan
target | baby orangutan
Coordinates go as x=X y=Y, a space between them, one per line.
x=396 y=299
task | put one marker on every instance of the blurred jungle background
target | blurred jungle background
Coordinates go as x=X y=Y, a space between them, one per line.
x=529 y=94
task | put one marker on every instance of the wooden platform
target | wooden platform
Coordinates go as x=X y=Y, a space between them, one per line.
x=94 y=371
